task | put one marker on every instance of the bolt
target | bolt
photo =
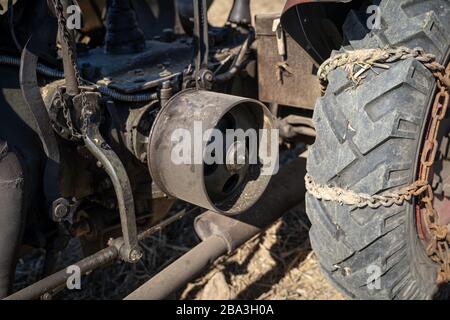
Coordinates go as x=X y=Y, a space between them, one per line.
x=61 y=211
x=110 y=241
x=46 y=296
x=166 y=85
x=208 y=76
x=135 y=255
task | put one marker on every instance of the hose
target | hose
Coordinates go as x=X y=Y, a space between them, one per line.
x=42 y=69
x=143 y=97
x=55 y=73
x=237 y=65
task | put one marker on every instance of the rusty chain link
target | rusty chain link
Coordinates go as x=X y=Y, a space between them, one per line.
x=66 y=37
x=362 y=200
x=438 y=246
x=367 y=59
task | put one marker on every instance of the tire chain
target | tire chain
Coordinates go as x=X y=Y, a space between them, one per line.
x=368 y=58
x=438 y=246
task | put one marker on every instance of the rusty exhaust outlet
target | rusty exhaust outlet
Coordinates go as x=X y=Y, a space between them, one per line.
x=223 y=234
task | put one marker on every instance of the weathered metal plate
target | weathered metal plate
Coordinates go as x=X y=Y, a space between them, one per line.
x=299 y=89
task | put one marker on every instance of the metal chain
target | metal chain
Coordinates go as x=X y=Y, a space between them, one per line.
x=74 y=135
x=64 y=31
x=438 y=246
x=362 y=200
x=366 y=59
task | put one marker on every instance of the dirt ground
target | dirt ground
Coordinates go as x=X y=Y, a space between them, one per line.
x=277 y=265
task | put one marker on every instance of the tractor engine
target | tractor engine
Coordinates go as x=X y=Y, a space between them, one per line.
x=110 y=116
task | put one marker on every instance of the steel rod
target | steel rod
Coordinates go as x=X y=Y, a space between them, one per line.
x=186 y=268
x=59 y=278
x=181 y=214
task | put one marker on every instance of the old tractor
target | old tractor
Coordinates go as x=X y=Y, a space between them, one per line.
x=111 y=111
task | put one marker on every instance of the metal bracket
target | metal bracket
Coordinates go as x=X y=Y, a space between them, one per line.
x=279 y=33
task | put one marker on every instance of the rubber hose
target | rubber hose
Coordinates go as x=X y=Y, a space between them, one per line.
x=54 y=73
x=237 y=66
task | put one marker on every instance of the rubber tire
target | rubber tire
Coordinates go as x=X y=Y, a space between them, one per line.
x=368 y=140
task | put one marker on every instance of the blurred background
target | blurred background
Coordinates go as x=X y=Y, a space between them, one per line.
x=218 y=12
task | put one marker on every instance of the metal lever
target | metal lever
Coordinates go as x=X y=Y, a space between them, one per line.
x=36 y=106
x=67 y=47
x=128 y=246
x=203 y=76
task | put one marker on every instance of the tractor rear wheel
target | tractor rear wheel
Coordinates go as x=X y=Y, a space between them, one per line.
x=369 y=140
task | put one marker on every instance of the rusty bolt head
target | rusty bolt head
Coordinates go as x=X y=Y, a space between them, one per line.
x=208 y=76
x=135 y=255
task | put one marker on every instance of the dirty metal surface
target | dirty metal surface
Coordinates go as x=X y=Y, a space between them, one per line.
x=131 y=73
x=299 y=88
x=215 y=187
